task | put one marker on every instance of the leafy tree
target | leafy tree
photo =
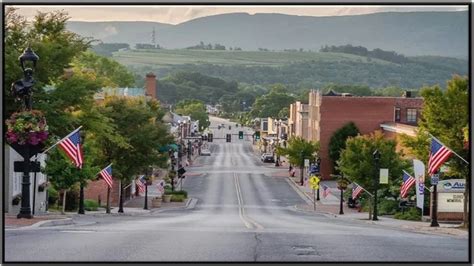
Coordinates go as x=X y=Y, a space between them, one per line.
x=138 y=122
x=110 y=71
x=49 y=38
x=357 y=163
x=196 y=110
x=337 y=143
x=64 y=175
x=269 y=105
x=445 y=116
x=299 y=149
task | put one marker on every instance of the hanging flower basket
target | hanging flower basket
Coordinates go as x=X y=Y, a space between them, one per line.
x=27 y=127
x=16 y=200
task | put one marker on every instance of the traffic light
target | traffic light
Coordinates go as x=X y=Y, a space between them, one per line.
x=228 y=137
x=209 y=137
x=241 y=135
x=257 y=135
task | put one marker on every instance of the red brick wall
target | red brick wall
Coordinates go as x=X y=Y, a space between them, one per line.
x=366 y=112
x=98 y=188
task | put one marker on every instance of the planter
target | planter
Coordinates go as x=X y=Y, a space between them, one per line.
x=166 y=198
x=156 y=202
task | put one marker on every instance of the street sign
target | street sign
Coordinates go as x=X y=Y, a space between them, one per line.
x=314 y=187
x=314 y=169
x=306 y=162
x=257 y=135
x=383 y=176
x=314 y=181
x=241 y=135
x=434 y=179
x=18 y=167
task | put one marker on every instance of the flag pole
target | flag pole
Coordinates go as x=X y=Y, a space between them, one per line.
x=62 y=139
x=364 y=189
x=103 y=168
x=449 y=149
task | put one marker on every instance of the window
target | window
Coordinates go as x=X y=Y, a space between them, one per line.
x=265 y=126
x=411 y=115
x=397 y=114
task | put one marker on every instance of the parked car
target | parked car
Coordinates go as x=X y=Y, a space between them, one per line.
x=205 y=152
x=267 y=158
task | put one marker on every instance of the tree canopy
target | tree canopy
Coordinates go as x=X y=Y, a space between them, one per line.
x=337 y=143
x=299 y=148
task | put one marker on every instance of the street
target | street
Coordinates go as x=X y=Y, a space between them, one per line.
x=243 y=213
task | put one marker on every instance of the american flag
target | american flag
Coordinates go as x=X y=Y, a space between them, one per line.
x=356 y=190
x=161 y=186
x=408 y=182
x=438 y=155
x=326 y=191
x=106 y=174
x=72 y=146
x=140 y=182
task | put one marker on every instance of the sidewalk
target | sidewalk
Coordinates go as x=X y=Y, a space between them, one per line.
x=330 y=207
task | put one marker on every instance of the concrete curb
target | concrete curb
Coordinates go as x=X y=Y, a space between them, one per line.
x=303 y=195
x=190 y=204
x=46 y=223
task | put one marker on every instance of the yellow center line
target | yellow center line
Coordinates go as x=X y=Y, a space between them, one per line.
x=247 y=221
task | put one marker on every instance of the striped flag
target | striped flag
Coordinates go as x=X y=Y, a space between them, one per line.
x=408 y=182
x=356 y=190
x=106 y=174
x=438 y=155
x=161 y=186
x=71 y=144
x=140 y=182
x=326 y=191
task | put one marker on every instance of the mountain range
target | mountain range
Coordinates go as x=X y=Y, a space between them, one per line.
x=408 y=33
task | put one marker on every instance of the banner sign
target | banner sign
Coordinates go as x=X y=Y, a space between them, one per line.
x=419 y=169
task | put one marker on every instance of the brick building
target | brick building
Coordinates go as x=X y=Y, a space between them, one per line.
x=330 y=112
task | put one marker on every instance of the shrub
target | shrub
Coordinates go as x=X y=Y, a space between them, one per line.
x=182 y=192
x=386 y=206
x=53 y=196
x=177 y=198
x=412 y=214
x=90 y=205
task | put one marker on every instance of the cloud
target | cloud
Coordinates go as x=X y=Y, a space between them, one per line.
x=179 y=14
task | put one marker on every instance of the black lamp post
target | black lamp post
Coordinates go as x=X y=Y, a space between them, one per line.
x=301 y=168
x=434 y=215
x=376 y=155
x=277 y=124
x=341 y=185
x=318 y=163
x=22 y=90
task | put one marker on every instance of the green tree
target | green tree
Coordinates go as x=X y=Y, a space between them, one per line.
x=64 y=175
x=49 y=38
x=337 y=143
x=269 y=105
x=299 y=149
x=357 y=163
x=445 y=116
x=138 y=122
x=196 y=110
x=111 y=72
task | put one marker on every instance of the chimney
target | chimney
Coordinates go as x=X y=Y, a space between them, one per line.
x=150 y=85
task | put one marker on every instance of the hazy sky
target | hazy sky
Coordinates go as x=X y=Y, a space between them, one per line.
x=178 y=14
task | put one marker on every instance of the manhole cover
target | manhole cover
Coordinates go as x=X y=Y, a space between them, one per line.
x=304 y=250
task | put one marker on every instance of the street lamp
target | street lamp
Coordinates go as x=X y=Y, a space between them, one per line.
x=21 y=90
x=376 y=155
x=342 y=184
x=434 y=215
x=277 y=124
x=318 y=162
x=301 y=168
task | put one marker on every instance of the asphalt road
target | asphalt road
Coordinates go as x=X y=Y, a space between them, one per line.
x=242 y=214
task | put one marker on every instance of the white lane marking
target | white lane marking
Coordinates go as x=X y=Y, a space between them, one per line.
x=76 y=231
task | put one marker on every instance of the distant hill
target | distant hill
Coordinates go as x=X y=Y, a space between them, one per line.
x=302 y=69
x=408 y=33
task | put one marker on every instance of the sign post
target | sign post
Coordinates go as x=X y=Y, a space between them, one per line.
x=314 y=183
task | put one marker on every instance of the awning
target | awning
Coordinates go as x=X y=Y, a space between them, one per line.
x=172 y=146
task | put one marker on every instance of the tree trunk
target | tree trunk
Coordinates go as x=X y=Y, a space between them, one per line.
x=64 y=202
